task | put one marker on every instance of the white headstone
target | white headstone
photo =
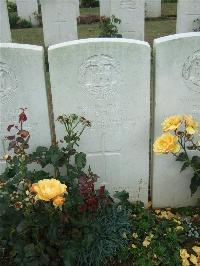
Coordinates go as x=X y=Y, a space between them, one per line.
x=104 y=8
x=188 y=15
x=22 y=84
x=5 y=35
x=59 y=21
x=77 y=9
x=153 y=8
x=28 y=9
x=107 y=81
x=131 y=13
x=177 y=91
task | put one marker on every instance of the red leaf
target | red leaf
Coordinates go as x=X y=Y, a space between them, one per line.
x=10 y=137
x=9 y=127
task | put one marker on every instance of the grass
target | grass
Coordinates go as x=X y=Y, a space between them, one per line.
x=153 y=29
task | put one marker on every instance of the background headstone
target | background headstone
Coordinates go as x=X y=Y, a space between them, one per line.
x=77 y=9
x=5 y=35
x=104 y=8
x=131 y=13
x=108 y=82
x=177 y=91
x=28 y=9
x=59 y=21
x=188 y=11
x=22 y=84
x=153 y=8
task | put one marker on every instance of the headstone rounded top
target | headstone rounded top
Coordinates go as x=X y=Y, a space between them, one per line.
x=21 y=46
x=98 y=40
x=175 y=37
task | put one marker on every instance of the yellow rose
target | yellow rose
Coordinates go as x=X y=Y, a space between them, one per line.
x=166 y=143
x=179 y=228
x=196 y=249
x=48 y=189
x=194 y=259
x=185 y=262
x=184 y=254
x=58 y=201
x=172 y=123
x=133 y=246
x=190 y=124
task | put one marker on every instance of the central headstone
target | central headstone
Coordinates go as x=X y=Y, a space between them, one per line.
x=188 y=15
x=132 y=15
x=59 y=21
x=108 y=82
x=28 y=9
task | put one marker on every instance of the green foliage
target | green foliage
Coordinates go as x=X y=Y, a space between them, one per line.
x=12 y=7
x=86 y=229
x=89 y=3
x=17 y=22
x=108 y=27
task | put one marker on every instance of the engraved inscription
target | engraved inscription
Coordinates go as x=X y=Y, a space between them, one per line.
x=100 y=75
x=8 y=83
x=109 y=116
x=129 y=4
x=191 y=71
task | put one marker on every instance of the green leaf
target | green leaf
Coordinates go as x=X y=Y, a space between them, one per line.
x=80 y=160
x=181 y=157
x=195 y=183
x=184 y=166
x=196 y=162
x=121 y=195
x=29 y=250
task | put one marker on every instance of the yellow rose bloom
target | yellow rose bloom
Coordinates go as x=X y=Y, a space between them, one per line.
x=172 y=123
x=190 y=124
x=194 y=259
x=179 y=228
x=58 y=201
x=184 y=254
x=196 y=249
x=166 y=143
x=133 y=246
x=185 y=262
x=48 y=189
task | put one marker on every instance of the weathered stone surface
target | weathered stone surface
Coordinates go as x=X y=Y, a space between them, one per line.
x=104 y=8
x=177 y=91
x=22 y=84
x=59 y=21
x=5 y=35
x=188 y=16
x=131 y=13
x=28 y=9
x=153 y=8
x=108 y=82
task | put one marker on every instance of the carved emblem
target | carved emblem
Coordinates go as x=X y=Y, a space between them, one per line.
x=100 y=75
x=130 y=4
x=8 y=83
x=191 y=71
